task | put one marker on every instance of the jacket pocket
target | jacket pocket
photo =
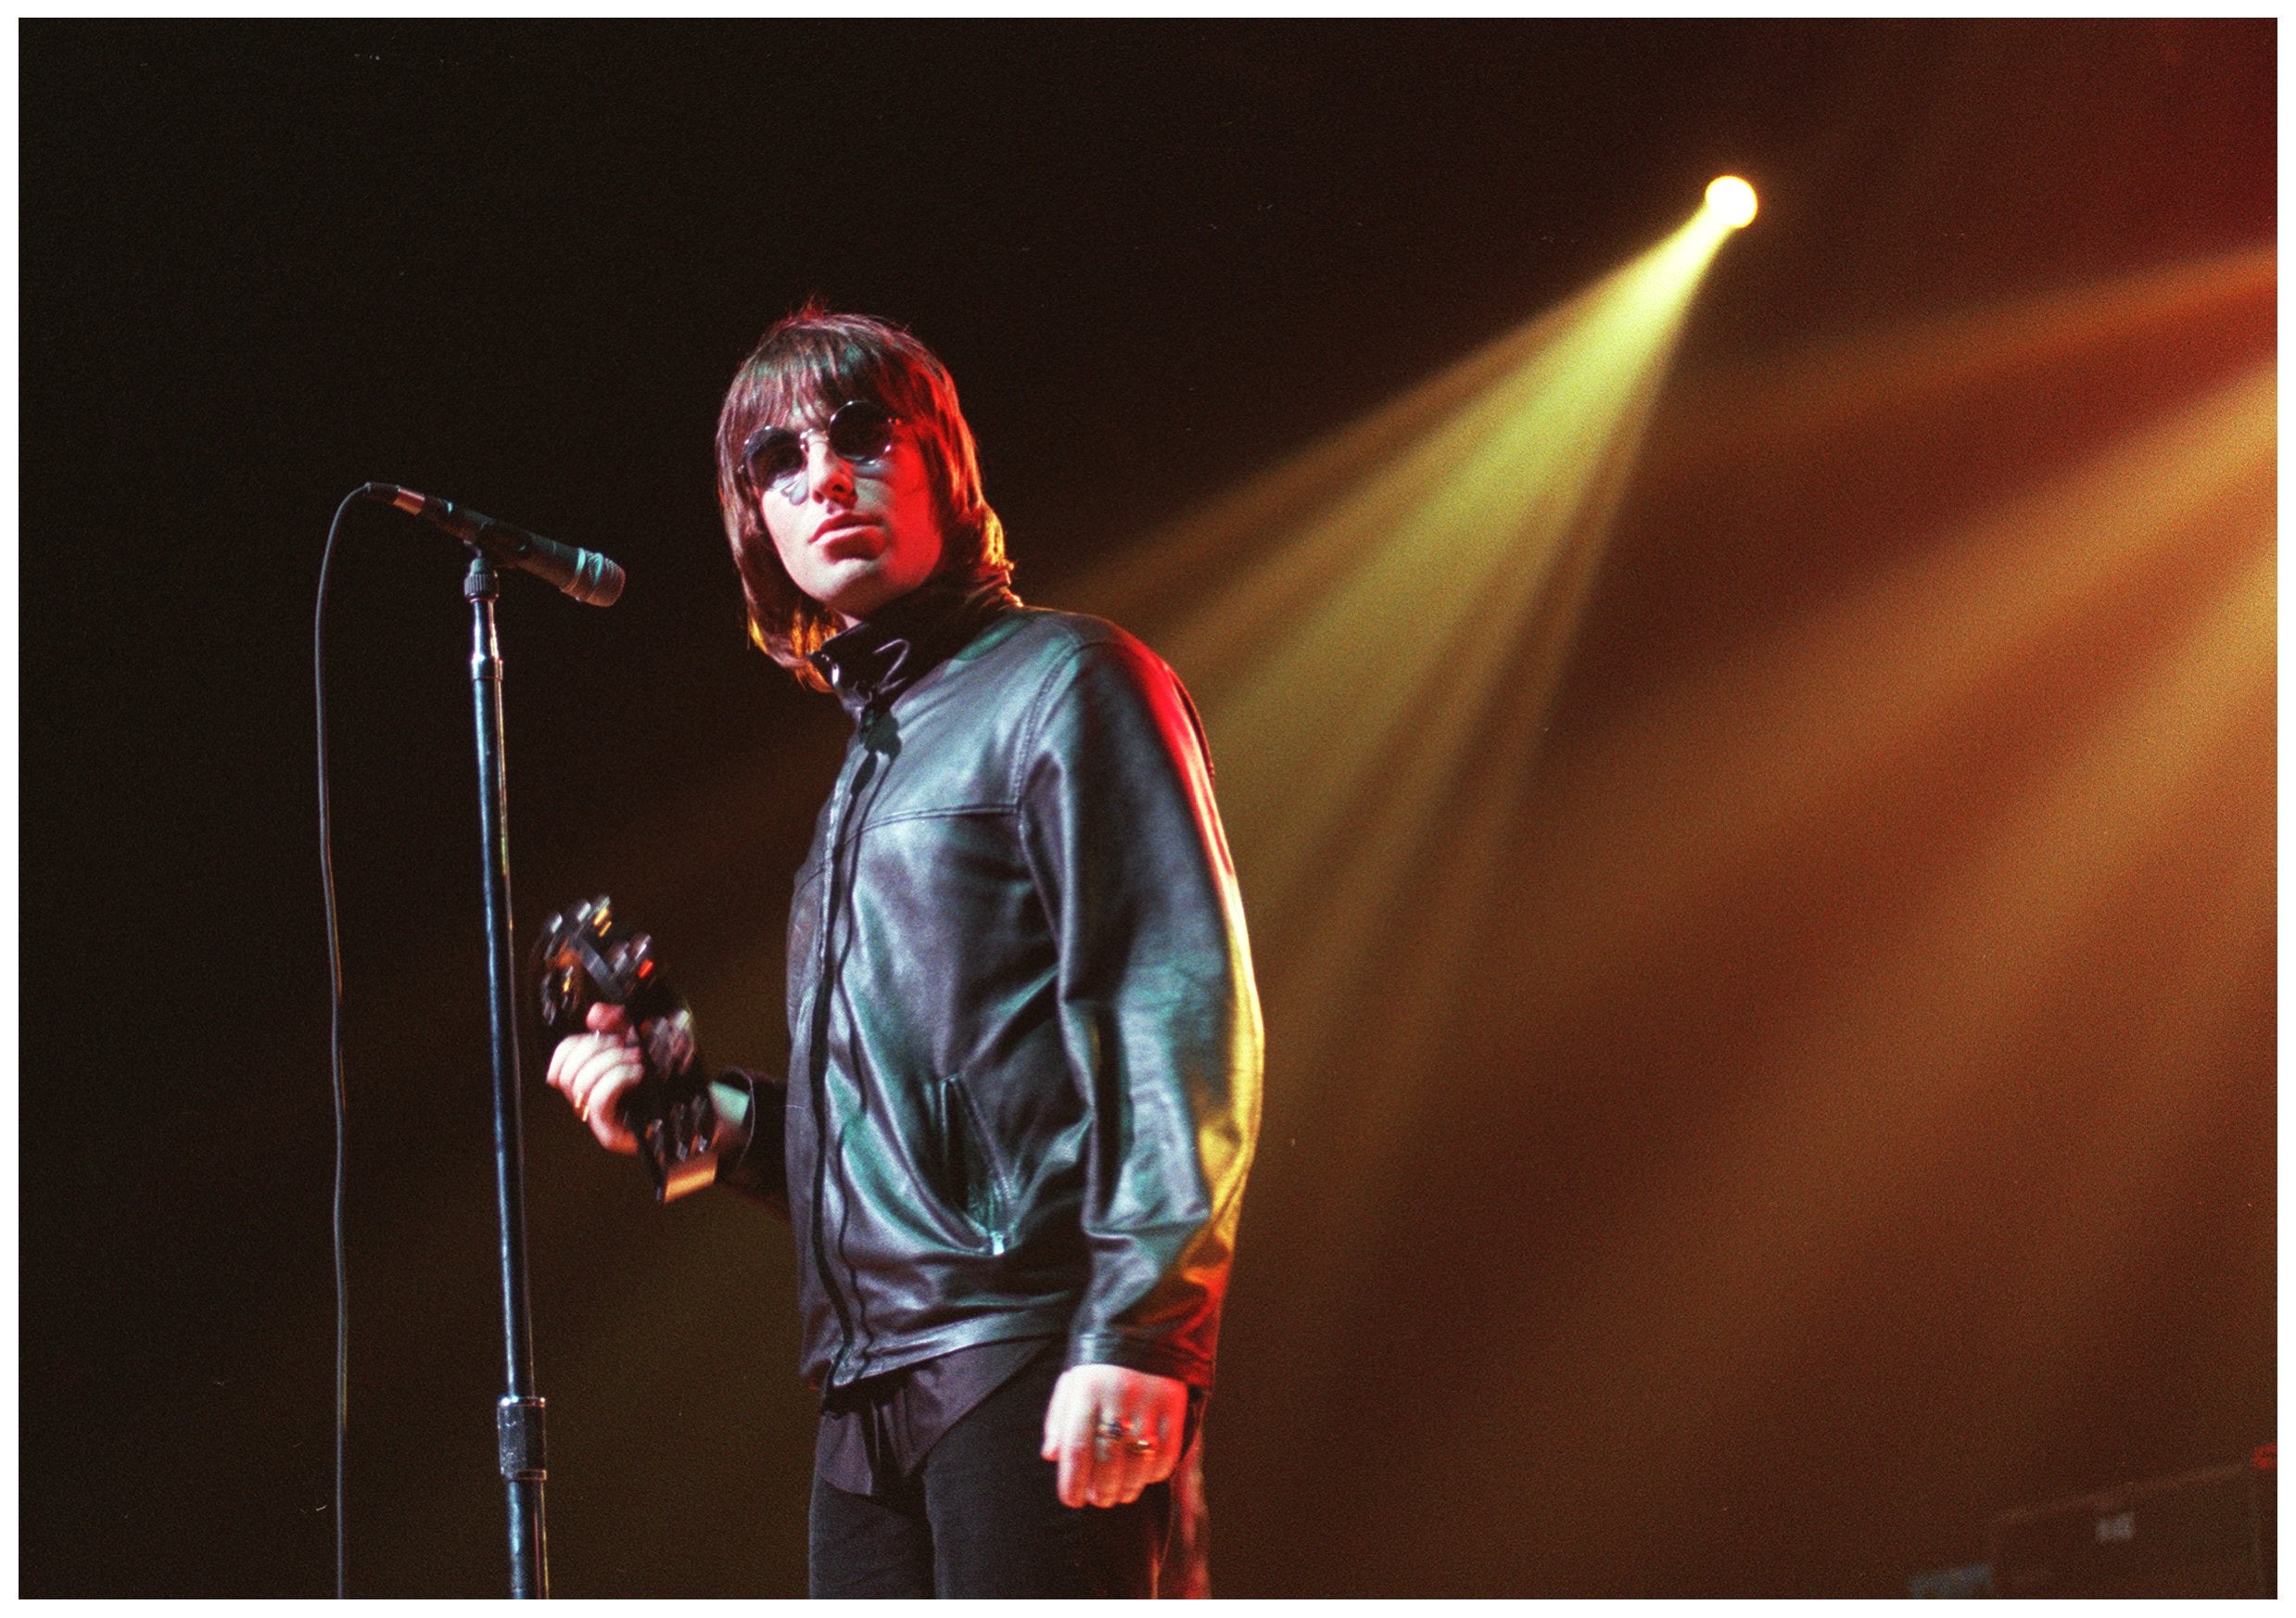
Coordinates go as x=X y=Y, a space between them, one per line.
x=987 y=1199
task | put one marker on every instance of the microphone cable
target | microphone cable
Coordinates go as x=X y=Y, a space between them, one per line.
x=334 y=976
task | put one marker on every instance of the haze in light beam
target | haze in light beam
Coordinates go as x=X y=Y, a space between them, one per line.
x=1374 y=631
x=1371 y=628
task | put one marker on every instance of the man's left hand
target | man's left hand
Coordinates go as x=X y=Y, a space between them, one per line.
x=1114 y=1432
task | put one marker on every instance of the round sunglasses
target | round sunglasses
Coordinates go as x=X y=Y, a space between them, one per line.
x=860 y=432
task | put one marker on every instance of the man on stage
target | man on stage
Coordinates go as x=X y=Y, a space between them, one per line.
x=1024 y=1042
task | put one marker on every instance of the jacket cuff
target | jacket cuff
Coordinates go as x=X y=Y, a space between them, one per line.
x=749 y=1118
x=1148 y=1354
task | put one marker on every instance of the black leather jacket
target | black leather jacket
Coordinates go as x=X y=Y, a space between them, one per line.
x=1024 y=1043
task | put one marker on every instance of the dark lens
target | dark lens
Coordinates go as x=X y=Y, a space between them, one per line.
x=861 y=430
x=773 y=454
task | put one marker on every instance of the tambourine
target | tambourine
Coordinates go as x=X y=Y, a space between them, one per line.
x=585 y=957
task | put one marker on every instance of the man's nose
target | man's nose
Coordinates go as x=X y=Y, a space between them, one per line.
x=827 y=473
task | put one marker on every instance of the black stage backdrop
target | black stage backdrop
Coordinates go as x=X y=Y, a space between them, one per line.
x=515 y=264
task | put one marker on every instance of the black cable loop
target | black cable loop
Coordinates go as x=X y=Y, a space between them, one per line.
x=334 y=977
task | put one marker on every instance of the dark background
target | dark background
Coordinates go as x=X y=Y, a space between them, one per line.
x=516 y=264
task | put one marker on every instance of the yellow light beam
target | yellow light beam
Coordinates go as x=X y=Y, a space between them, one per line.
x=1372 y=632
x=1351 y=645
x=1777 y=737
x=1856 y=1114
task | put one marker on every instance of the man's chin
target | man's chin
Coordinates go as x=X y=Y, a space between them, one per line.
x=853 y=587
x=856 y=593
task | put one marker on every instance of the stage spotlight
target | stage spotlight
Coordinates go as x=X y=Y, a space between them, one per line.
x=1732 y=200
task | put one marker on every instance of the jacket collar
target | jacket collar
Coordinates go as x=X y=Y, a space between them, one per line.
x=874 y=662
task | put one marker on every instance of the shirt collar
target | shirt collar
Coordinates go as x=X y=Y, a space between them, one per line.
x=875 y=661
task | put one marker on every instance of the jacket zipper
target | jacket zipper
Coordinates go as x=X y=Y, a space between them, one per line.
x=975 y=1127
x=824 y=1136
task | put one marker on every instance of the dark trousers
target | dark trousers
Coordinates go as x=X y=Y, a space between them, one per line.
x=980 y=1518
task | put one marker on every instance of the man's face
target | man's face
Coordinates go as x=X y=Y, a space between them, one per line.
x=853 y=533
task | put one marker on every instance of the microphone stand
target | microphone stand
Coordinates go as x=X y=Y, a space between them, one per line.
x=520 y=1440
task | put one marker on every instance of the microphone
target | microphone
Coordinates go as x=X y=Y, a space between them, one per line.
x=584 y=574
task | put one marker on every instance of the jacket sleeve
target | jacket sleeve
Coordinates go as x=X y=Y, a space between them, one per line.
x=1159 y=1014
x=750 y=1111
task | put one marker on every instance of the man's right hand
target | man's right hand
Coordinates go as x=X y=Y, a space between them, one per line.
x=595 y=1070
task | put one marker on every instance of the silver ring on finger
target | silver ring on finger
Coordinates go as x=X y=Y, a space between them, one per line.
x=1125 y=1433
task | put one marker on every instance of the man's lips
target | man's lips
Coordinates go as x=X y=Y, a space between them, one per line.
x=841 y=529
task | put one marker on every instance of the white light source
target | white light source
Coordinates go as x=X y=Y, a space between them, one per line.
x=1732 y=200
